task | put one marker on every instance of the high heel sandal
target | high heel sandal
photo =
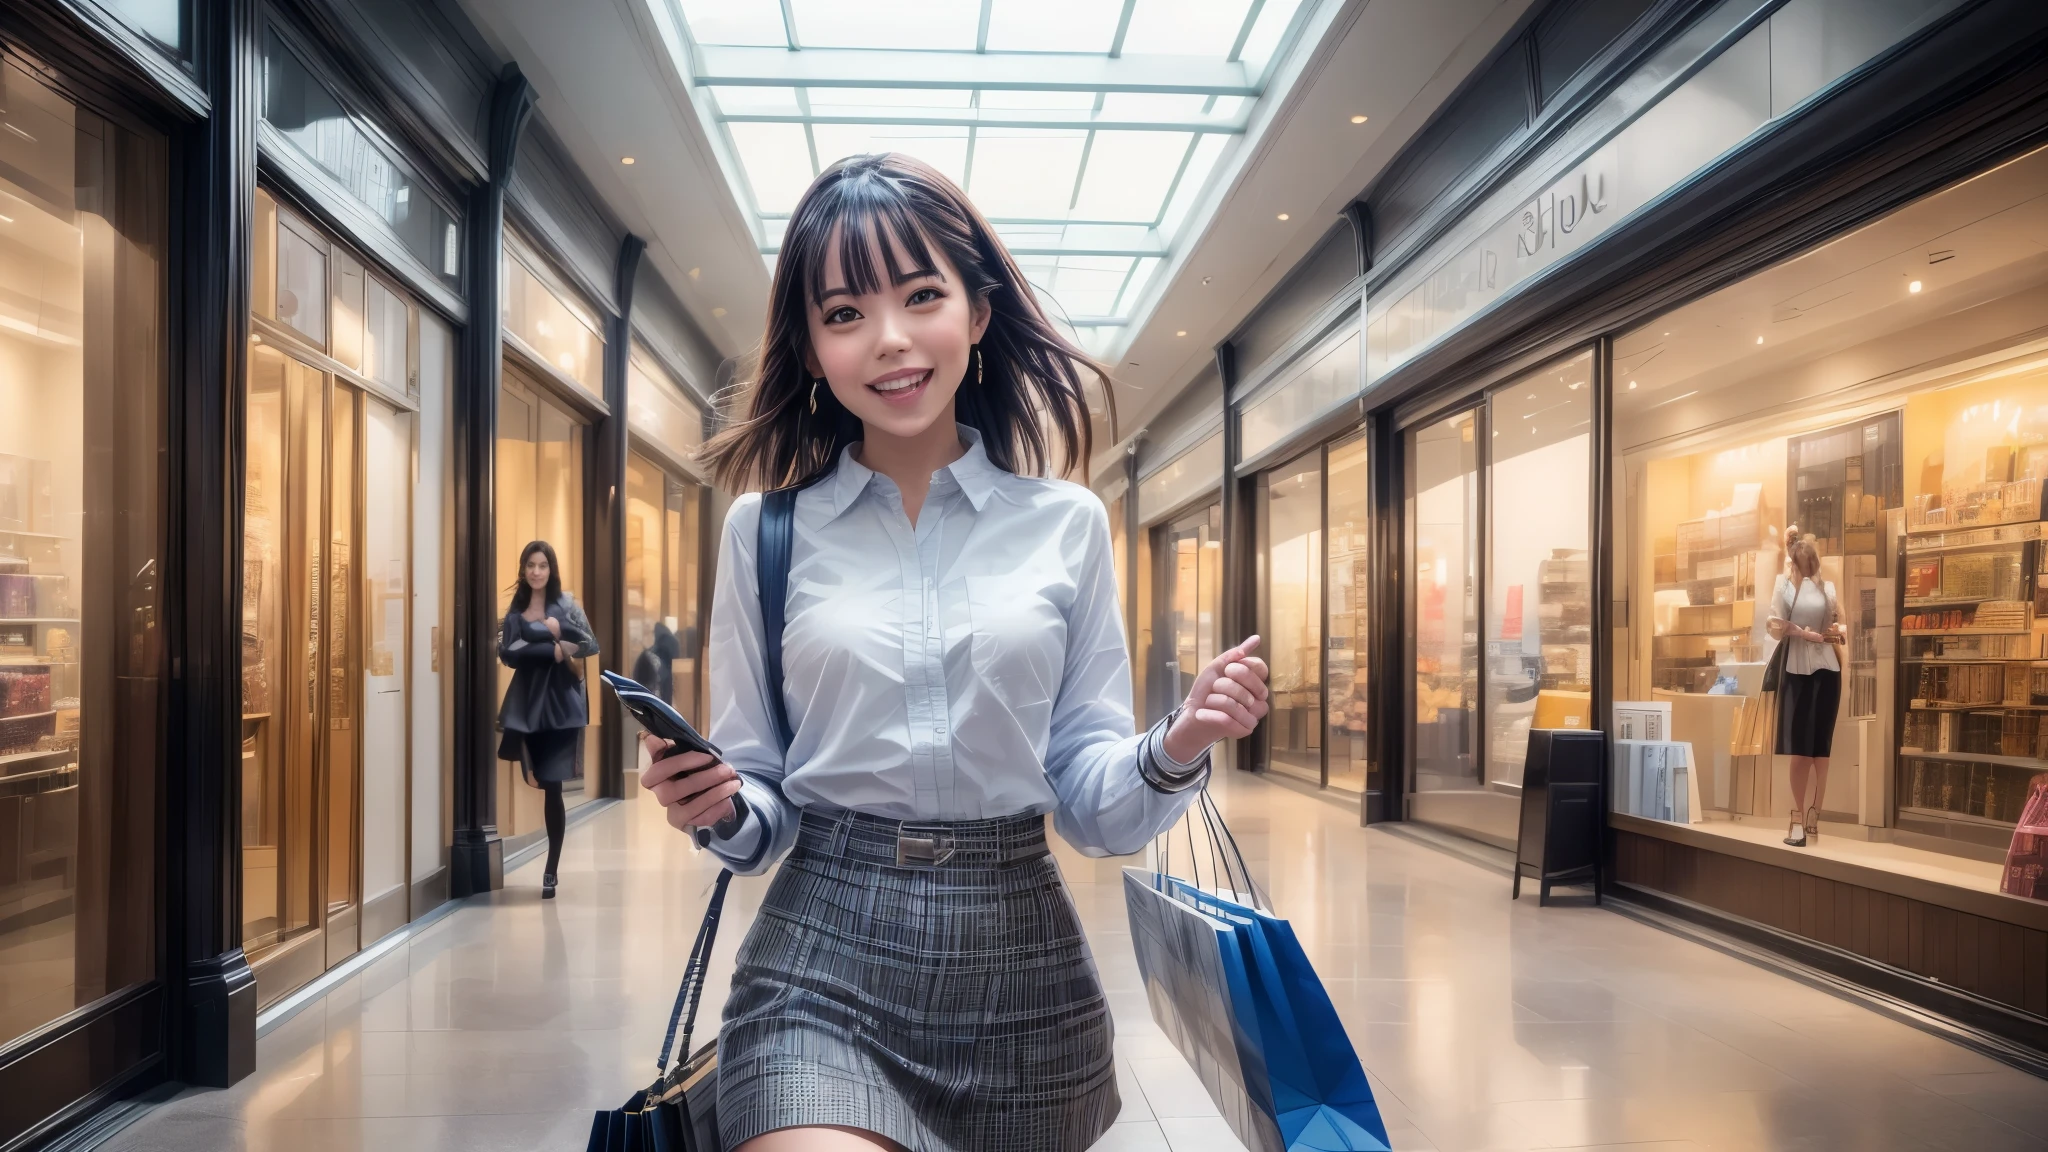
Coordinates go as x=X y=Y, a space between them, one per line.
x=1813 y=824
x=1795 y=826
x=547 y=886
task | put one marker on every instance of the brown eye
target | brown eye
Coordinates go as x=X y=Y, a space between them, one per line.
x=924 y=295
x=841 y=315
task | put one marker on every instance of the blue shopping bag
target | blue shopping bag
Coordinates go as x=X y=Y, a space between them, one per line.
x=1322 y=1101
x=1299 y=1087
x=1194 y=977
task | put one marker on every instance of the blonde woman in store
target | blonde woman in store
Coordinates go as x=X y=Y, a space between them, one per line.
x=1806 y=615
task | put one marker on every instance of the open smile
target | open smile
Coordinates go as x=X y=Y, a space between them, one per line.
x=902 y=386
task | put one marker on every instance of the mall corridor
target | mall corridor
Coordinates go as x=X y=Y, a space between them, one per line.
x=1483 y=1024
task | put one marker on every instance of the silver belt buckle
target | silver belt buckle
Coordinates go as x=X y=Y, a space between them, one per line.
x=935 y=849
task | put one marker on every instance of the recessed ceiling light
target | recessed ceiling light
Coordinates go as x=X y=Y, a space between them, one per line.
x=625 y=159
x=1631 y=385
x=1759 y=339
x=1283 y=216
x=1182 y=332
x=718 y=312
x=1358 y=119
x=1913 y=287
x=1208 y=279
x=694 y=272
x=6 y=219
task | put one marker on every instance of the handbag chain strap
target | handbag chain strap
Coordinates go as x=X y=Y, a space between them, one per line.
x=684 y=1015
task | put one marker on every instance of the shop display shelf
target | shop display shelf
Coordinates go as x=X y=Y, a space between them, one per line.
x=1966 y=632
x=1958 y=817
x=27 y=535
x=1987 y=706
x=18 y=763
x=38 y=620
x=1979 y=758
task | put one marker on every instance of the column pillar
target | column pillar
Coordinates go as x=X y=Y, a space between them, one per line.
x=477 y=858
x=608 y=613
x=212 y=1017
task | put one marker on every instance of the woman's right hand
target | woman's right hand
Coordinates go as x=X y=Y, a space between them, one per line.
x=694 y=790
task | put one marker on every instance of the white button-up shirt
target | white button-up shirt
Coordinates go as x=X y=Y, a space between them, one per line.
x=1810 y=605
x=969 y=667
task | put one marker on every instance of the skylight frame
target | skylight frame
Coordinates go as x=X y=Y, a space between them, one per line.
x=1145 y=245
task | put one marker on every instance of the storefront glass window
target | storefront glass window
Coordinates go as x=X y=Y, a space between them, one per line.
x=1887 y=396
x=82 y=207
x=1443 y=510
x=557 y=331
x=1327 y=379
x=658 y=409
x=1291 y=614
x=1350 y=610
x=312 y=118
x=662 y=550
x=1539 y=598
x=161 y=20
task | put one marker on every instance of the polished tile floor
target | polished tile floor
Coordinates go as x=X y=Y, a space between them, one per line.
x=1484 y=1024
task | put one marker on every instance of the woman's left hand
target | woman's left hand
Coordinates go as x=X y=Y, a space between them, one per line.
x=1227 y=702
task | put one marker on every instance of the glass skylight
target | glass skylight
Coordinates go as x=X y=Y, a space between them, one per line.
x=1084 y=129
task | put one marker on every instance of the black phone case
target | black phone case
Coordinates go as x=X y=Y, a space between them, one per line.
x=655 y=715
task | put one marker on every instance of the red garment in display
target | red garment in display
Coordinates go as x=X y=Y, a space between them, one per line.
x=1511 y=616
x=2026 y=861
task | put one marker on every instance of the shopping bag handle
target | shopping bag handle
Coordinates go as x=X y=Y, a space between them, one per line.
x=1223 y=853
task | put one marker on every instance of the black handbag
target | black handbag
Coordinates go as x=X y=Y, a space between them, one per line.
x=679 y=1111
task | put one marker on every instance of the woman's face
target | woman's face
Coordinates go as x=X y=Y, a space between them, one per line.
x=895 y=357
x=537 y=572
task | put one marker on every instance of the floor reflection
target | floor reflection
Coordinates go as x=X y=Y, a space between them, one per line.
x=1484 y=1023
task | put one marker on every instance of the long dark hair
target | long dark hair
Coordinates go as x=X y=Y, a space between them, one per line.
x=1028 y=401
x=522 y=592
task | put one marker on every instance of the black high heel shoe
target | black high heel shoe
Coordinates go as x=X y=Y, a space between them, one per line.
x=547 y=886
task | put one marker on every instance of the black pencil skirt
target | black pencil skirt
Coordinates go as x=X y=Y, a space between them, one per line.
x=1807 y=703
x=946 y=1004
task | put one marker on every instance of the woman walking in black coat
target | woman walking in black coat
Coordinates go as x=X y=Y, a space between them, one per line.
x=546 y=708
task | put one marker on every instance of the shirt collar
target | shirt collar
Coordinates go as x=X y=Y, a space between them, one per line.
x=974 y=473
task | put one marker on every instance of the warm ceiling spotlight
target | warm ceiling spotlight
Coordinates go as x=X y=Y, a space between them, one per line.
x=1913 y=287
x=1759 y=339
x=695 y=272
x=1631 y=385
x=1358 y=119
x=625 y=159
x=1208 y=279
x=1283 y=216
x=1182 y=332
x=718 y=312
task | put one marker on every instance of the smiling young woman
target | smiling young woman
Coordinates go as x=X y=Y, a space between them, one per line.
x=954 y=670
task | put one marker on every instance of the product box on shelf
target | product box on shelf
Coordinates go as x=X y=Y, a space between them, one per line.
x=24 y=689
x=1642 y=720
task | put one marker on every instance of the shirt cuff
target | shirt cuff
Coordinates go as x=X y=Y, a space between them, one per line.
x=1161 y=772
x=738 y=838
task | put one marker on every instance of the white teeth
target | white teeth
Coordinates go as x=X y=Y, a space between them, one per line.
x=900 y=383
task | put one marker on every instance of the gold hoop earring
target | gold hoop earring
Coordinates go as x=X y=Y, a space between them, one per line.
x=977 y=365
x=814 y=397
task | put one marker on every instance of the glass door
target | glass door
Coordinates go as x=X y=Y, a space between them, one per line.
x=1191 y=549
x=1347 y=701
x=301 y=754
x=385 y=585
x=1291 y=614
x=1443 y=619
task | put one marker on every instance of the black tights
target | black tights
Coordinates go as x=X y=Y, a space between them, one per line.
x=557 y=819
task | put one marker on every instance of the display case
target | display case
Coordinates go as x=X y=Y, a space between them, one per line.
x=39 y=687
x=1972 y=674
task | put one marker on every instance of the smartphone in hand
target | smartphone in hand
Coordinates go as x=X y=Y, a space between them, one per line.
x=663 y=721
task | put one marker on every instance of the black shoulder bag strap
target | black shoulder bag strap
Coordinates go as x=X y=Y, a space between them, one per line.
x=771 y=561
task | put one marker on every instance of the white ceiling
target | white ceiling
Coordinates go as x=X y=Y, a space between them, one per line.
x=609 y=87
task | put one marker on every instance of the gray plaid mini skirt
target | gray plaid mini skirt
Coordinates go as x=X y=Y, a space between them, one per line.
x=926 y=982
